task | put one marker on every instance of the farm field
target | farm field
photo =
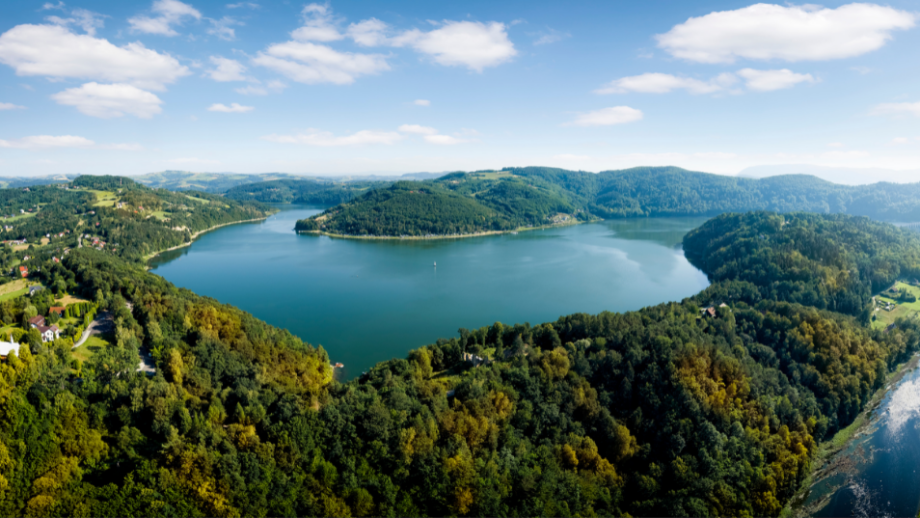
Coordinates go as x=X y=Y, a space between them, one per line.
x=104 y=198
x=883 y=319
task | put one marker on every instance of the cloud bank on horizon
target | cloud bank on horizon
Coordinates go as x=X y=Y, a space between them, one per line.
x=361 y=87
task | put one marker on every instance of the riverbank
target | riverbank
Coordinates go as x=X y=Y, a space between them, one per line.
x=443 y=236
x=826 y=464
x=196 y=234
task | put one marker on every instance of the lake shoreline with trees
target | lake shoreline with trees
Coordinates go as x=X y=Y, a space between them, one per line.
x=714 y=405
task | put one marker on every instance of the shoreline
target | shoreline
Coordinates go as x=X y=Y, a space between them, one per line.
x=830 y=448
x=440 y=236
x=196 y=234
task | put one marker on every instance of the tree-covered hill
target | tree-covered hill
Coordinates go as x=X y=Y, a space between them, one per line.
x=304 y=191
x=408 y=209
x=666 y=411
x=536 y=196
x=132 y=220
x=834 y=261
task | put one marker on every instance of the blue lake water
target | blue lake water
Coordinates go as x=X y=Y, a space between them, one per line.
x=366 y=301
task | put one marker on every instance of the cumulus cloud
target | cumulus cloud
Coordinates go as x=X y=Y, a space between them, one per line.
x=318 y=25
x=11 y=106
x=86 y=20
x=108 y=101
x=311 y=63
x=369 y=33
x=166 y=14
x=473 y=45
x=790 y=33
x=607 y=117
x=663 y=83
x=416 y=129
x=421 y=102
x=55 y=52
x=327 y=139
x=769 y=80
x=47 y=141
x=226 y=70
x=897 y=109
x=223 y=28
x=233 y=108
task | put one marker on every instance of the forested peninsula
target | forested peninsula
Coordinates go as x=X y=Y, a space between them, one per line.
x=711 y=406
x=532 y=197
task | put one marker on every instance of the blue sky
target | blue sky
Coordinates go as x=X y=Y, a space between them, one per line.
x=400 y=86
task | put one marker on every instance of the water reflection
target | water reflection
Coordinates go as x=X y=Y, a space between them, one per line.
x=367 y=301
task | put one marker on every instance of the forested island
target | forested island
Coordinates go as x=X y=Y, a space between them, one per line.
x=711 y=406
x=533 y=197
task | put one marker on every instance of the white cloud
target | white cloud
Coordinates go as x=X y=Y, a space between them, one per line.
x=836 y=145
x=443 y=140
x=223 y=28
x=327 y=139
x=370 y=32
x=86 y=20
x=897 y=109
x=226 y=70
x=271 y=87
x=790 y=33
x=11 y=106
x=233 y=108
x=49 y=5
x=663 y=83
x=250 y=5
x=757 y=80
x=769 y=80
x=415 y=129
x=169 y=13
x=421 y=102
x=311 y=63
x=607 y=117
x=900 y=140
x=318 y=25
x=55 y=52
x=110 y=101
x=47 y=141
x=474 y=45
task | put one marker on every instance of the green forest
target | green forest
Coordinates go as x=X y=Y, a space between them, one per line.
x=670 y=410
x=530 y=197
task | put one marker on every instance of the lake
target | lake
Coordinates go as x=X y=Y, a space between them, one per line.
x=366 y=301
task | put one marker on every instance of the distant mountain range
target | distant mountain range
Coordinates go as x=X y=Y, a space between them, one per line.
x=842 y=175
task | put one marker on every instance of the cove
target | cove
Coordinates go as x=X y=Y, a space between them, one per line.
x=367 y=301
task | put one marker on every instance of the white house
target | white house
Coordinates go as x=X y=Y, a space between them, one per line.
x=49 y=333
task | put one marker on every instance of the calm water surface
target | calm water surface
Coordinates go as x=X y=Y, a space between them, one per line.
x=368 y=301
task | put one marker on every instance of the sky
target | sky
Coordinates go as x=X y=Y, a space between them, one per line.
x=361 y=87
